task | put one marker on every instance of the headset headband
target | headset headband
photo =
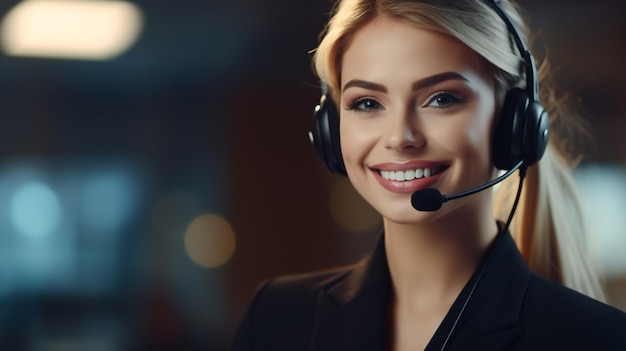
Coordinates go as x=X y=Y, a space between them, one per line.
x=532 y=80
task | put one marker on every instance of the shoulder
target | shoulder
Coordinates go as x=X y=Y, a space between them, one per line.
x=302 y=286
x=285 y=305
x=550 y=298
x=555 y=312
x=294 y=294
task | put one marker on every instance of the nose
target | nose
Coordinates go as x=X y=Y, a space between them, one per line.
x=403 y=133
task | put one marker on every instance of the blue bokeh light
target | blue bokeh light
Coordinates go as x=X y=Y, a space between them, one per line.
x=108 y=200
x=603 y=194
x=35 y=209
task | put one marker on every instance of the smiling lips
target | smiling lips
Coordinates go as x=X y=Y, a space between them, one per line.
x=408 y=180
x=410 y=174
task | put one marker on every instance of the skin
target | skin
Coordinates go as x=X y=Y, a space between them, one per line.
x=414 y=99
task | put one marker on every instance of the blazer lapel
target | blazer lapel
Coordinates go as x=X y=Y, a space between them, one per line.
x=351 y=315
x=491 y=318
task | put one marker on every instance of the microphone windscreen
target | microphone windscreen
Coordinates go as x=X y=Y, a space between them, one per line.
x=429 y=199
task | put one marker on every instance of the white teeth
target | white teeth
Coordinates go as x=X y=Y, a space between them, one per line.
x=408 y=175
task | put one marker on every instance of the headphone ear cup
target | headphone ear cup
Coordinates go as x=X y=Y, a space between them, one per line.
x=521 y=134
x=325 y=135
x=536 y=135
x=508 y=138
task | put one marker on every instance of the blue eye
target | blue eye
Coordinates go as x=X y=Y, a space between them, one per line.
x=364 y=104
x=443 y=99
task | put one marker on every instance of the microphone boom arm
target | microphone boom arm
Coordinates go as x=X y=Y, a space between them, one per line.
x=431 y=199
x=484 y=186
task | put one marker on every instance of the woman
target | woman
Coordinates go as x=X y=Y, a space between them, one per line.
x=426 y=95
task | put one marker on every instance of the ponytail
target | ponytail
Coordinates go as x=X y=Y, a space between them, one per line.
x=549 y=225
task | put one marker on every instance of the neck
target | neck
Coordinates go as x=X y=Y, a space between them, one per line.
x=429 y=263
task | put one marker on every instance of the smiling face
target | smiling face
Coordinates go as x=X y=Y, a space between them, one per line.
x=416 y=111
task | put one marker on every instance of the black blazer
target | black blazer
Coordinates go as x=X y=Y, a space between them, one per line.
x=510 y=309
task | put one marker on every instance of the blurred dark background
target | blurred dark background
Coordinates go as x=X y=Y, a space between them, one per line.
x=143 y=198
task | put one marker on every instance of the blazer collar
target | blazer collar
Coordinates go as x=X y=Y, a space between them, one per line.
x=352 y=314
x=490 y=319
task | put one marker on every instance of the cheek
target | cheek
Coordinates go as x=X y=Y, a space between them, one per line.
x=356 y=141
x=479 y=130
x=473 y=139
x=480 y=141
x=479 y=135
x=347 y=141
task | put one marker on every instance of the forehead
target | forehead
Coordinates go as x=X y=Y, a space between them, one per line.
x=390 y=50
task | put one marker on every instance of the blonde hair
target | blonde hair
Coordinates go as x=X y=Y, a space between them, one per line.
x=548 y=226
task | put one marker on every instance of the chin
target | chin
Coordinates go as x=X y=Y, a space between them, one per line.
x=406 y=214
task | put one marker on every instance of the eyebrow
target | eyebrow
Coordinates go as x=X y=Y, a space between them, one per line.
x=420 y=84
x=365 y=85
x=437 y=78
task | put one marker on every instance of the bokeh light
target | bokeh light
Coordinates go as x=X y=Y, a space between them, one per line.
x=603 y=194
x=35 y=209
x=108 y=200
x=210 y=240
x=94 y=30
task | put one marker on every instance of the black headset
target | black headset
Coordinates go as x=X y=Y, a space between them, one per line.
x=521 y=134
